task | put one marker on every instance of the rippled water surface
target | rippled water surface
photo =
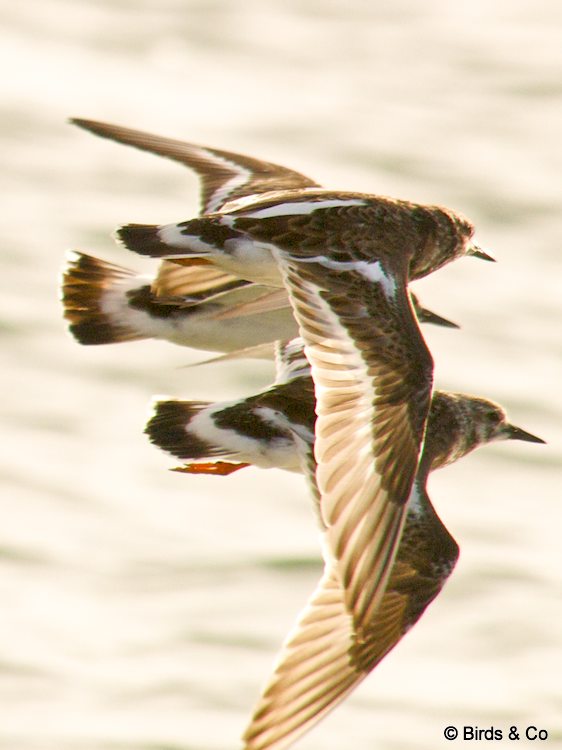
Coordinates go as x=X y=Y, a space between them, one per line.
x=142 y=609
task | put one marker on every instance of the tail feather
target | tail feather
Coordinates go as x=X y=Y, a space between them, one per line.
x=86 y=284
x=169 y=429
x=143 y=239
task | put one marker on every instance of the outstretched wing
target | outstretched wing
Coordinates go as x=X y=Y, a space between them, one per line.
x=373 y=377
x=312 y=674
x=322 y=660
x=344 y=260
x=225 y=176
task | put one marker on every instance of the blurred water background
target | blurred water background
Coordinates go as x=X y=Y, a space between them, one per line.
x=141 y=609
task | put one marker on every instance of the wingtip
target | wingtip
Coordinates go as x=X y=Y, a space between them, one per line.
x=102 y=129
x=81 y=122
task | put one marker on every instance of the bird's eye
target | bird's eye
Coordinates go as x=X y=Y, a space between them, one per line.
x=493 y=417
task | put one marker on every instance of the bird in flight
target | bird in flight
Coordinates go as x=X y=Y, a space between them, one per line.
x=324 y=658
x=345 y=260
x=271 y=255
x=193 y=305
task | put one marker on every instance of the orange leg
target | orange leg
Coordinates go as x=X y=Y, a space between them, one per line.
x=218 y=468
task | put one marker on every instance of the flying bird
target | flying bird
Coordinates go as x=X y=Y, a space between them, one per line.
x=196 y=306
x=345 y=260
x=271 y=254
x=105 y=303
x=192 y=305
x=324 y=657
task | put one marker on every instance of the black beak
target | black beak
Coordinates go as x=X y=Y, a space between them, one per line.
x=478 y=253
x=427 y=316
x=516 y=433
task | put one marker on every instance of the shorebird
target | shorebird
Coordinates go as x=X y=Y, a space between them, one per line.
x=105 y=303
x=196 y=305
x=261 y=430
x=325 y=657
x=345 y=260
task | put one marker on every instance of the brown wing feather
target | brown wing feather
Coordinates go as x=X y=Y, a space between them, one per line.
x=195 y=281
x=270 y=300
x=225 y=175
x=373 y=376
x=323 y=659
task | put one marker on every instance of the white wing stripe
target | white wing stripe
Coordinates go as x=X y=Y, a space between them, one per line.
x=301 y=208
